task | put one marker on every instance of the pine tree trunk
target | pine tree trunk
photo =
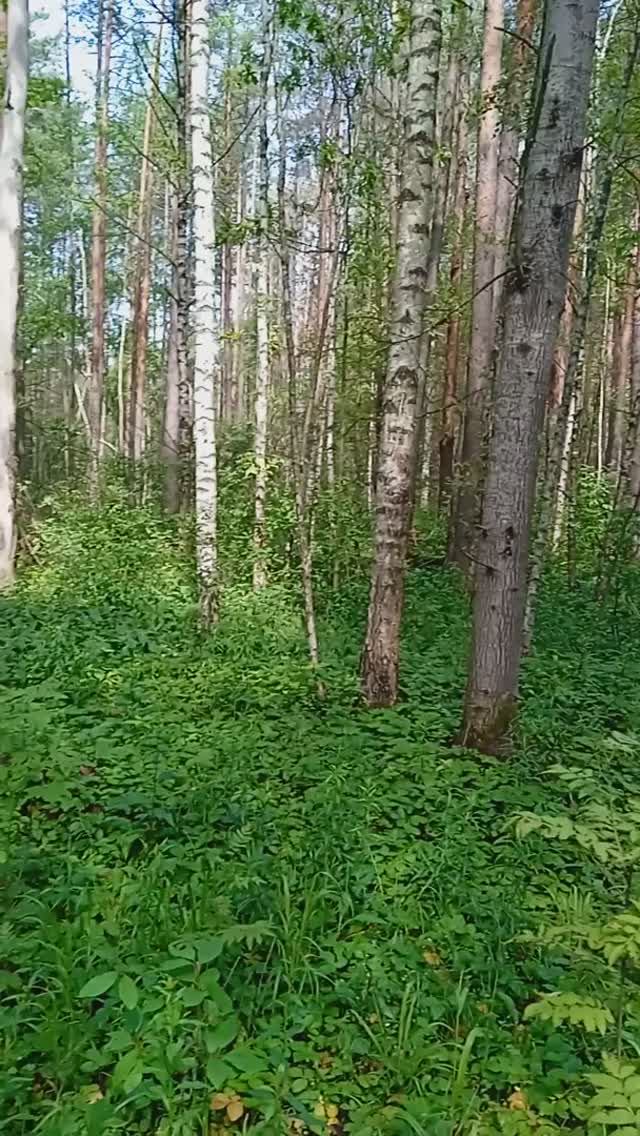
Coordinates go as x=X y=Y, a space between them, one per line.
x=397 y=456
x=95 y=388
x=205 y=346
x=480 y=360
x=11 y=159
x=533 y=301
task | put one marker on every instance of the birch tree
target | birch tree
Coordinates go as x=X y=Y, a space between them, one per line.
x=205 y=346
x=11 y=158
x=397 y=454
x=534 y=295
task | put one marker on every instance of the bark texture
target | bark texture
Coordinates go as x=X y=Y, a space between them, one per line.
x=481 y=343
x=11 y=159
x=533 y=303
x=398 y=439
x=205 y=346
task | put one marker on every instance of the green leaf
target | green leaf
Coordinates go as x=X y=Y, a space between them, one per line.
x=98 y=985
x=247 y=1061
x=191 y=996
x=216 y=993
x=218 y=1072
x=208 y=949
x=222 y=1035
x=97 y=1116
x=128 y=992
x=128 y=1072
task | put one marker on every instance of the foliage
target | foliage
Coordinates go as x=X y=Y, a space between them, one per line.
x=229 y=905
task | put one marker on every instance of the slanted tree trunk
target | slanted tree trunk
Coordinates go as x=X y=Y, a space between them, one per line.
x=11 y=157
x=396 y=464
x=480 y=360
x=95 y=387
x=205 y=345
x=533 y=300
x=261 y=409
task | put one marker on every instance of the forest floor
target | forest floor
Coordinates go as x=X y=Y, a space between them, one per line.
x=229 y=905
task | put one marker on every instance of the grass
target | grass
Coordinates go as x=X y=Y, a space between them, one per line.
x=230 y=906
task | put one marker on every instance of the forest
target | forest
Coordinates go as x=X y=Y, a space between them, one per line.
x=320 y=567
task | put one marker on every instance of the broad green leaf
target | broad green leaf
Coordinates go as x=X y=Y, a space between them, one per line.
x=128 y=1071
x=208 y=949
x=128 y=992
x=98 y=985
x=247 y=1061
x=218 y=1072
x=191 y=996
x=222 y=1035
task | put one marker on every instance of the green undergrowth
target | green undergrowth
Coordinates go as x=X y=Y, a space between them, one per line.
x=231 y=905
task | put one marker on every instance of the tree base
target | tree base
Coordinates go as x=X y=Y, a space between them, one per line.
x=487 y=725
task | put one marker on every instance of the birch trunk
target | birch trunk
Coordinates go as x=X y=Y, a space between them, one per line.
x=481 y=344
x=205 y=346
x=380 y=659
x=95 y=386
x=533 y=301
x=11 y=159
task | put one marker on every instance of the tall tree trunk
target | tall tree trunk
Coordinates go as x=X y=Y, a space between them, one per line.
x=290 y=364
x=261 y=409
x=380 y=658
x=533 y=300
x=142 y=283
x=562 y=429
x=95 y=387
x=183 y=257
x=480 y=360
x=522 y=57
x=205 y=346
x=11 y=158
x=634 y=464
x=452 y=349
x=620 y=379
x=171 y=418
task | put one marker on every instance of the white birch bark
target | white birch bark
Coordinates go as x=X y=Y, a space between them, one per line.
x=407 y=310
x=205 y=345
x=11 y=159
